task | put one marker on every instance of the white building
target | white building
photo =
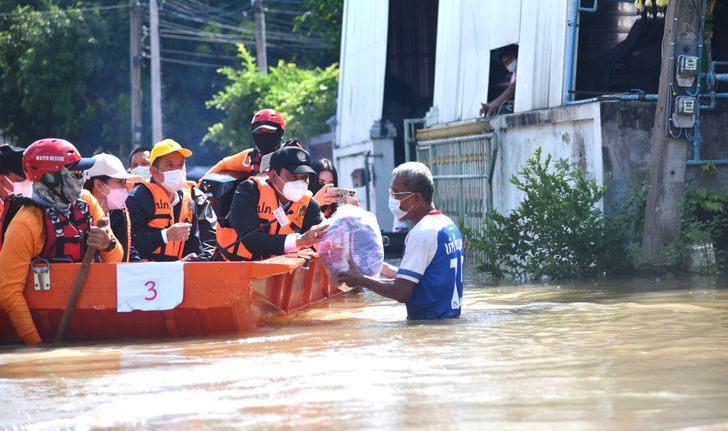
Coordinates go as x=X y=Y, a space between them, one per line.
x=416 y=58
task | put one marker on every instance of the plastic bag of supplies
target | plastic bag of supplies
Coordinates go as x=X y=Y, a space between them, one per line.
x=354 y=234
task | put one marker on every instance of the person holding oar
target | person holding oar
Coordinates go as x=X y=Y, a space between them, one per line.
x=58 y=224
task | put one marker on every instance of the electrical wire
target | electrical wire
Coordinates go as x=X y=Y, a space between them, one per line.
x=84 y=9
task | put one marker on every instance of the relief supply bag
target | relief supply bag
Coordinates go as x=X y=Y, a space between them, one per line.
x=354 y=234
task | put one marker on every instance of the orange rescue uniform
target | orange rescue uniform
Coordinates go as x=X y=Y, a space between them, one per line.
x=24 y=240
x=238 y=165
x=234 y=250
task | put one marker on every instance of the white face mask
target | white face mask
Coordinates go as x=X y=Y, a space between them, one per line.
x=116 y=198
x=23 y=188
x=143 y=172
x=294 y=190
x=174 y=180
x=394 y=207
x=512 y=66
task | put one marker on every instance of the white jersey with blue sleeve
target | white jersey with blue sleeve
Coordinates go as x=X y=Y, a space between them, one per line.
x=433 y=258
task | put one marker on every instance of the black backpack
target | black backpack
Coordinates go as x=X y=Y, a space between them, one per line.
x=220 y=190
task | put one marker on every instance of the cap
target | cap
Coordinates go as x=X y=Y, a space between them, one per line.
x=82 y=165
x=109 y=165
x=167 y=146
x=11 y=160
x=293 y=159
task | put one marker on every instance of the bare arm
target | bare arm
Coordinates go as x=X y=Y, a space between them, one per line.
x=389 y=271
x=398 y=289
x=488 y=109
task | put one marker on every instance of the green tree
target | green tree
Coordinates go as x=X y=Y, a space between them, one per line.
x=62 y=75
x=324 y=17
x=305 y=97
x=557 y=232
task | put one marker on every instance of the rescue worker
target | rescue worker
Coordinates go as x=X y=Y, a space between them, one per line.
x=162 y=211
x=266 y=129
x=58 y=223
x=107 y=182
x=139 y=164
x=274 y=213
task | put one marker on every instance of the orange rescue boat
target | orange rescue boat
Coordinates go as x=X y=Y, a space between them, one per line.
x=219 y=298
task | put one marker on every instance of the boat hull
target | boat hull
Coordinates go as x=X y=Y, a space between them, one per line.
x=219 y=298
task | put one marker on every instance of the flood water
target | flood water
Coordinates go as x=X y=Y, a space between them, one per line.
x=624 y=354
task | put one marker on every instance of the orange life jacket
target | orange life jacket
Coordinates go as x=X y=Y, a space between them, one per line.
x=231 y=248
x=164 y=217
x=65 y=234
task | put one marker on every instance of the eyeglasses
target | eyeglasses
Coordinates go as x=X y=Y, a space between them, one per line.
x=394 y=194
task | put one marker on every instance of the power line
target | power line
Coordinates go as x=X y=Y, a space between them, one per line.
x=85 y=9
x=198 y=54
x=191 y=63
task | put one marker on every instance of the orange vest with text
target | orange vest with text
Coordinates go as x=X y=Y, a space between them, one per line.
x=164 y=217
x=227 y=239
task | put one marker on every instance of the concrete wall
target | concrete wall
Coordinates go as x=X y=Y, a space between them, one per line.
x=626 y=139
x=609 y=140
x=570 y=133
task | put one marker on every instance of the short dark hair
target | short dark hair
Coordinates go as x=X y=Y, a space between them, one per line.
x=507 y=50
x=417 y=178
x=138 y=149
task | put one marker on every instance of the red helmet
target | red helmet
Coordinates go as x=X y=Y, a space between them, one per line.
x=267 y=121
x=51 y=155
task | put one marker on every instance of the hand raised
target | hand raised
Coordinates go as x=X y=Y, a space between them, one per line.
x=179 y=232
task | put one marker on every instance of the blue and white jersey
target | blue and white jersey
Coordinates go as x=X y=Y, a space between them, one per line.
x=433 y=258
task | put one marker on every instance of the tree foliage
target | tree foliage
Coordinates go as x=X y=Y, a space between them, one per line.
x=305 y=97
x=60 y=71
x=322 y=16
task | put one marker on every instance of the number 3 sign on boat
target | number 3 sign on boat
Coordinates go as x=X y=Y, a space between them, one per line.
x=149 y=286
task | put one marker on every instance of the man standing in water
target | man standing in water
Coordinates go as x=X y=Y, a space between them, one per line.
x=430 y=278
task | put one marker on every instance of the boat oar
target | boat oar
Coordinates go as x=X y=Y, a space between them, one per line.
x=80 y=279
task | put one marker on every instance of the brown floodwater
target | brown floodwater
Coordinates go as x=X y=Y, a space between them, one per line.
x=624 y=354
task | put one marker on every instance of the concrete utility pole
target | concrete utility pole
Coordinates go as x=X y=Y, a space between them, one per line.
x=135 y=62
x=156 y=75
x=668 y=156
x=260 y=44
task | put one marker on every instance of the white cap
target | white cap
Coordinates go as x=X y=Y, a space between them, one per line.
x=109 y=165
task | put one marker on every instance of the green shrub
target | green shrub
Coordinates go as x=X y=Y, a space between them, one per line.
x=557 y=232
x=305 y=97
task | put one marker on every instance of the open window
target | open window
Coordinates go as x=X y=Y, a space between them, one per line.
x=499 y=77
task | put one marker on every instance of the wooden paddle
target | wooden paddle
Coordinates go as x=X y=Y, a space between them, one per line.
x=80 y=279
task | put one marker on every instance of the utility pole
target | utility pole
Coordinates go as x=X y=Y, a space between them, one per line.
x=135 y=62
x=156 y=78
x=260 y=44
x=668 y=155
